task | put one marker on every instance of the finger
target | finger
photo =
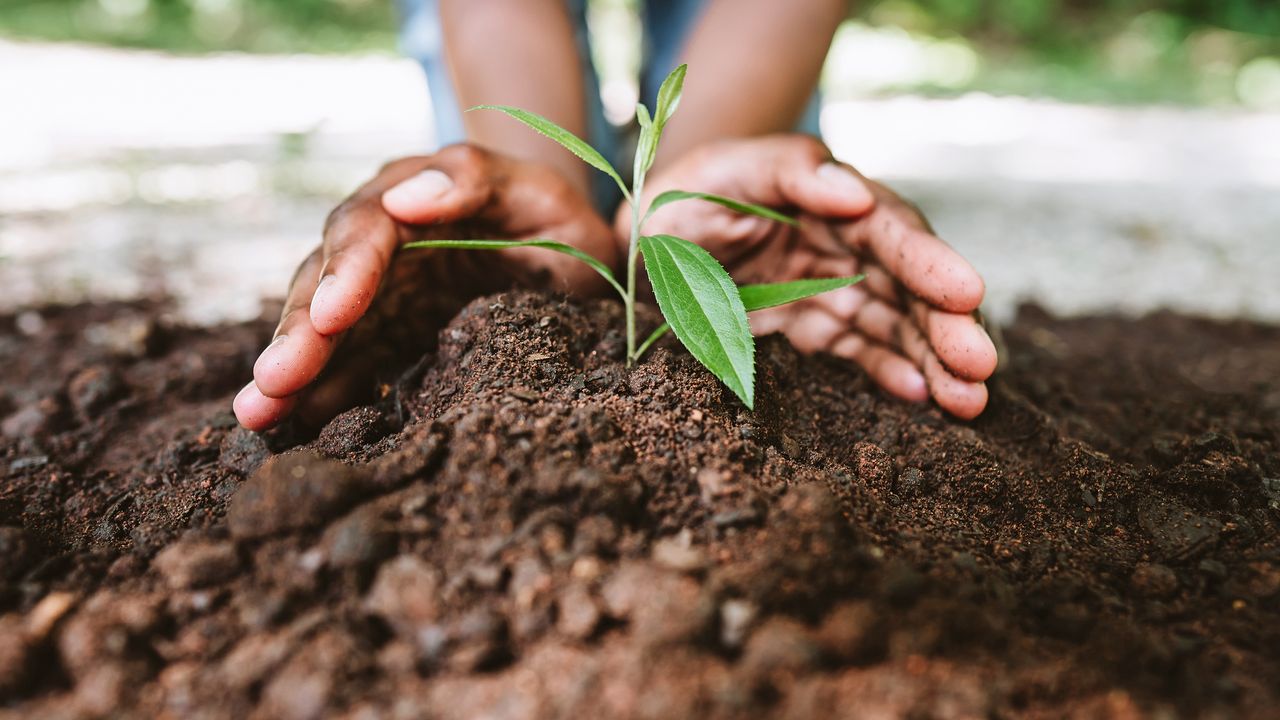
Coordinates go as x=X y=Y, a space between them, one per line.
x=959 y=341
x=297 y=353
x=880 y=283
x=890 y=370
x=454 y=184
x=961 y=398
x=798 y=171
x=814 y=329
x=895 y=235
x=257 y=412
x=363 y=233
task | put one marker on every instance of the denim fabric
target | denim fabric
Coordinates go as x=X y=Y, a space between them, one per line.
x=667 y=24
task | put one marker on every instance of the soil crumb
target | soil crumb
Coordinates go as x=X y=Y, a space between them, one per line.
x=517 y=526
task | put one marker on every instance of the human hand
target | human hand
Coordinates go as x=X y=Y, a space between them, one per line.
x=910 y=324
x=350 y=291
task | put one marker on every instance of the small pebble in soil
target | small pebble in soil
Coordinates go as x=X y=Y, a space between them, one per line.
x=359 y=539
x=31 y=420
x=129 y=336
x=736 y=619
x=197 y=563
x=405 y=594
x=243 y=451
x=678 y=553
x=91 y=390
x=852 y=632
x=779 y=651
x=296 y=490
x=579 y=615
x=1153 y=580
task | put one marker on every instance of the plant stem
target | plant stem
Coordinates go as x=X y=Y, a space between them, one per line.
x=633 y=254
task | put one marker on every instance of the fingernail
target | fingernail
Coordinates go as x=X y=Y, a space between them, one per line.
x=324 y=287
x=268 y=355
x=843 y=181
x=422 y=188
x=917 y=386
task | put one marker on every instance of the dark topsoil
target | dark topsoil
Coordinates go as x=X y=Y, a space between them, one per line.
x=520 y=527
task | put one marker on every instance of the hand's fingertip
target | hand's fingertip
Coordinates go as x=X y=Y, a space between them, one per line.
x=845 y=188
x=326 y=307
x=338 y=303
x=912 y=386
x=415 y=200
x=960 y=289
x=963 y=346
x=984 y=358
x=258 y=412
x=964 y=400
x=290 y=363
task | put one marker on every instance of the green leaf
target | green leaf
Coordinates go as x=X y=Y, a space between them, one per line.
x=642 y=115
x=654 y=337
x=646 y=146
x=669 y=97
x=559 y=247
x=747 y=208
x=699 y=300
x=568 y=140
x=767 y=295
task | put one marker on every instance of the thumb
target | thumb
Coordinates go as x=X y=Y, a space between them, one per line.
x=827 y=189
x=454 y=184
x=419 y=199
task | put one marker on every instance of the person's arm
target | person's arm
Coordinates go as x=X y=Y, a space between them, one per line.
x=521 y=53
x=753 y=65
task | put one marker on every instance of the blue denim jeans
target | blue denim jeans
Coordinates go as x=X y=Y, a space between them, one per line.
x=666 y=23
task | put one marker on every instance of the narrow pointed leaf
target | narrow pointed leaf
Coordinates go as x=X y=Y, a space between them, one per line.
x=699 y=300
x=654 y=337
x=568 y=140
x=642 y=115
x=559 y=247
x=669 y=96
x=671 y=196
x=767 y=295
x=646 y=147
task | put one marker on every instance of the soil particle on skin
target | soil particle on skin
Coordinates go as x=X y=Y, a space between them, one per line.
x=520 y=526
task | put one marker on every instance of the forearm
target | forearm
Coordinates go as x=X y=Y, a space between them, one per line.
x=753 y=65
x=521 y=53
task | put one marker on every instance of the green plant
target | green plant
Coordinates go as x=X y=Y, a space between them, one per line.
x=698 y=299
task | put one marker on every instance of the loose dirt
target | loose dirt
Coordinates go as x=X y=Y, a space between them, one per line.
x=520 y=527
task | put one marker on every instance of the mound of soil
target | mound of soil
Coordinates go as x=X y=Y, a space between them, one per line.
x=520 y=527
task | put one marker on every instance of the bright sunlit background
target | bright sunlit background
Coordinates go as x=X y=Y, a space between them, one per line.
x=1104 y=155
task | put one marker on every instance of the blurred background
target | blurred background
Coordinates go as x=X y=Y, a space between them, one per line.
x=1117 y=155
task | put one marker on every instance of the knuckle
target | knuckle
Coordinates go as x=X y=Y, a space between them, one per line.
x=807 y=144
x=339 y=216
x=465 y=154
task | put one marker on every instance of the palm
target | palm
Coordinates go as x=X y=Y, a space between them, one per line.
x=335 y=333
x=909 y=324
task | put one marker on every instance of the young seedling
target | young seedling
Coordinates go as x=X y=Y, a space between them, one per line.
x=698 y=299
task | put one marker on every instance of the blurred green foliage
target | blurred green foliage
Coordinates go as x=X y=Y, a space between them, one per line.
x=1185 y=51
x=1047 y=24
x=1188 y=51
x=267 y=26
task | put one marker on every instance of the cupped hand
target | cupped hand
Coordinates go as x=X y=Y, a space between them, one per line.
x=354 y=290
x=911 y=324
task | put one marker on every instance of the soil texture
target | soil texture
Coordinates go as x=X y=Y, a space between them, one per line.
x=518 y=526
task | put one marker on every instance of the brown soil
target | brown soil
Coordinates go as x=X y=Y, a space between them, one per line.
x=520 y=527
